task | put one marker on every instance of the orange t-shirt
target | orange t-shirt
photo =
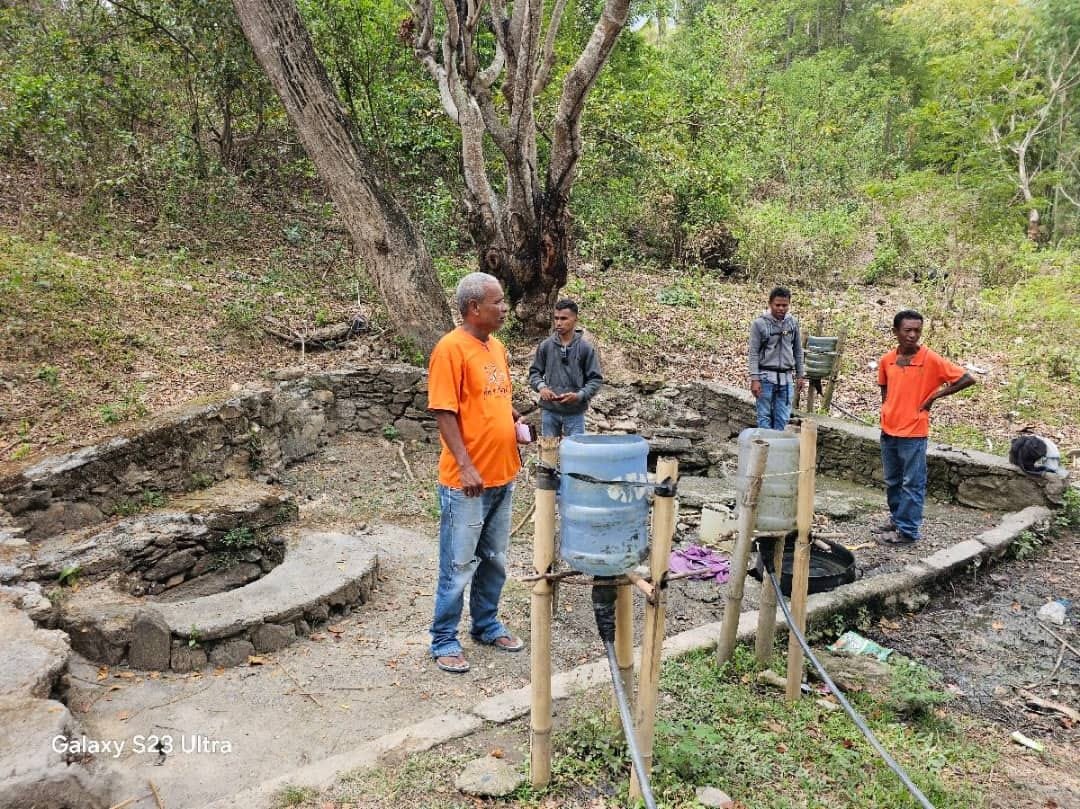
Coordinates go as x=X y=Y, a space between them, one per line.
x=471 y=377
x=908 y=387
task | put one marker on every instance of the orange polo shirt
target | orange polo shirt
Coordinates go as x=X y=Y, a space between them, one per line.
x=908 y=387
x=471 y=377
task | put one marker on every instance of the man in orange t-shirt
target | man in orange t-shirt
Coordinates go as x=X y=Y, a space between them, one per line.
x=470 y=394
x=912 y=378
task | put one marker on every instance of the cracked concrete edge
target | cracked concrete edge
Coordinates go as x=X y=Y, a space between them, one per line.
x=322 y=775
x=510 y=705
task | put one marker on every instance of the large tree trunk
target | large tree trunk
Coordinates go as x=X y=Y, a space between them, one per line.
x=534 y=269
x=389 y=248
x=522 y=234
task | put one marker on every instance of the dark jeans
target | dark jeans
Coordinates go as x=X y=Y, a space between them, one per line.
x=904 y=462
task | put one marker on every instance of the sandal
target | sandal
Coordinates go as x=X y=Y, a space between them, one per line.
x=894 y=537
x=504 y=643
x=455 y=664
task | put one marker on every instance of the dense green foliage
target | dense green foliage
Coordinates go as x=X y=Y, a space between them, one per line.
x=877 y=138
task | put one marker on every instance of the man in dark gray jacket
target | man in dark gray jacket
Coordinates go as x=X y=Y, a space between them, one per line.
x=566 y=374
x=775 y=357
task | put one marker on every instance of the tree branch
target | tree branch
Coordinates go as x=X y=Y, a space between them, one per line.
x=566 y=147
x=547 y=60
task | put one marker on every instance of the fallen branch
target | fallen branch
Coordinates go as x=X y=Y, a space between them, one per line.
x=524 y=519
x=169 y=702
x=157 y=796
x=1048 y=705
x=326 y=338
x=404 y=460
x=1064 y=642
x=301 y=691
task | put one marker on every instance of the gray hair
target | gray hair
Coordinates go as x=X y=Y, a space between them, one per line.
x=473 y=288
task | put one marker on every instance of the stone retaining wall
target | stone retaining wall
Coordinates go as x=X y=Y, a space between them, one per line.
x=256 y=432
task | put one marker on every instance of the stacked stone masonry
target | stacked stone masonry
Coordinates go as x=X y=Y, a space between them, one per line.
x=257 y=432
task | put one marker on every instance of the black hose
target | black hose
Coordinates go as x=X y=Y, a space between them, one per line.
x=851 y=712
x=604 y=610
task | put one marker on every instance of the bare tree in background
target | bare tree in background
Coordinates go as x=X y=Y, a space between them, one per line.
x=391 y=251
x=1024 y=127
x=522 y=230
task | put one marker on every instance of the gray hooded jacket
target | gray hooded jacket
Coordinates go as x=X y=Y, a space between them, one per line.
x=775 y=348
x=566 y=369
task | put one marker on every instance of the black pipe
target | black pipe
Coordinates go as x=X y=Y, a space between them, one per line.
x=767 y=559
x=603 y=599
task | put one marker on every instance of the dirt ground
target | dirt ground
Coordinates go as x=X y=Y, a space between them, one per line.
x=370 y=673
x=983 y=635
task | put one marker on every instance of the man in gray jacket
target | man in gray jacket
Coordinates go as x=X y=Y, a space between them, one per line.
x=566 y=374
x=775 y=355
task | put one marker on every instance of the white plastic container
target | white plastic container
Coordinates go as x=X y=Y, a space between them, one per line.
x=777 y=502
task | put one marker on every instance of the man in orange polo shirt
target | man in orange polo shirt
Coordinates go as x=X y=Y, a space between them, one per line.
x=469 y=392
x=912 y=378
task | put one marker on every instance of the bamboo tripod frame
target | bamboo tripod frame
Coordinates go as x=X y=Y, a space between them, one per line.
x=663 y=529
x=804 y=515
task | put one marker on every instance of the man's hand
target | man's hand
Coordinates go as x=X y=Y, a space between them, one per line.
x=568 y=398
x=755 y=387
x=548 y=395
x=800 y=384
x=926 y=405
x=471 y=482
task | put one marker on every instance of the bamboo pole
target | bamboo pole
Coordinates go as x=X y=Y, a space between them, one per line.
x=755 y=469
x=540 y=639
x=766 y=627
x=549 y=456
x=798 y=393
x=663 y=528
x=800 y=565
x=624 y=647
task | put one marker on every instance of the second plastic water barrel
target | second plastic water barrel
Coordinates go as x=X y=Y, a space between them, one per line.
x=603 y=526
x=776 y=504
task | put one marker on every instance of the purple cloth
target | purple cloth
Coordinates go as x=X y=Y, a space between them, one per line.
x=706 y=564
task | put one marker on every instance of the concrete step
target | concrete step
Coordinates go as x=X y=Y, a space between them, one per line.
x=31 y=659
x=42 y=761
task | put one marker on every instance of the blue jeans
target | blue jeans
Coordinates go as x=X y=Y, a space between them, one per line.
x=774 y=405
x=559 y=424
x=474 y=534
x=904 y=462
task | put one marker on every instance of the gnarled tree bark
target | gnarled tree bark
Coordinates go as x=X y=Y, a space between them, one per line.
x=523 y=234
x=390 y=250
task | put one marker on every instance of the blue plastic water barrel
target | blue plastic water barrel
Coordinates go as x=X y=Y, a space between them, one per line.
x=603 y=526
x=777 y=501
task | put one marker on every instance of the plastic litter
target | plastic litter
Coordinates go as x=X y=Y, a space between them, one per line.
x=852 y=643
x=702 y=562
x=1034 y=744
x=1054 y=611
